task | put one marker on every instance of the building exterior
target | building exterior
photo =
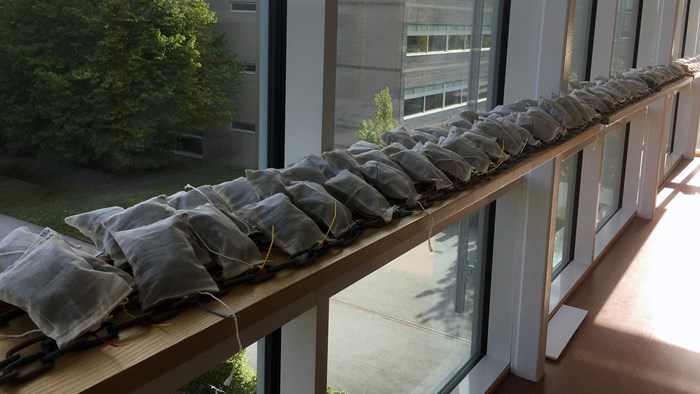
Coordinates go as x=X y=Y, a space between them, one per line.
x=422 y=52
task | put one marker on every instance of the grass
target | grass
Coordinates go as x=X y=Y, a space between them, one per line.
x=45 y=193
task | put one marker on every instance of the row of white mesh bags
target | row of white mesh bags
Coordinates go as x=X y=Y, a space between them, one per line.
x=173 y=244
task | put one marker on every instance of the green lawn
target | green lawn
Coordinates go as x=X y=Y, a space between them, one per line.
x=45 y=193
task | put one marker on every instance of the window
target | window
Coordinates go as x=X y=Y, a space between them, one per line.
x=245 y=7
x=249 y=68
x=424 y=307
x=612 y=176
x=680 y=34
x=486 y=41
x=584 y=25
x=417 y=44
x=423 y=99
x=191 y=145
x=669 y=160
x=567 y=204
x=626 y=35
x=434 y=57
x=246 y=127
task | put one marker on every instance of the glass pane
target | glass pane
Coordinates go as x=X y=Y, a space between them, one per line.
x=145 y=125
x=437 y=43
x=375 y=44
x=413 y=106
x=486 y=41
x=417 y=44
x=414 y=323
x=244 y=378
x=566 y=213
x=625 y=35
x=612 y=176
x=456 y=42
x=452 y=98
x=433 y=101
x=679 y=33
x=581 y=35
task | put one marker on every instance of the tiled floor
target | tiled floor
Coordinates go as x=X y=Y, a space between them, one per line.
x=642 y=334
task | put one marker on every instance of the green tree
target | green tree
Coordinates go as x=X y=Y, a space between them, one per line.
x=382 y=120
x=111 y=83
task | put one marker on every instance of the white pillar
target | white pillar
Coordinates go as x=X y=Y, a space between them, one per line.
x=657 y=122
x=535 y=65
x=532 y=286
x=310 y=85
x=305 y=352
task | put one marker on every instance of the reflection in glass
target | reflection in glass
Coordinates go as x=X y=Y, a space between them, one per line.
x=625 y=35
x=567 y=201
x=416 y=322
x=456 y=42
x=402 y=46
x=612 y=175
x=581 y=38
x=437 y=43
x=417 y=44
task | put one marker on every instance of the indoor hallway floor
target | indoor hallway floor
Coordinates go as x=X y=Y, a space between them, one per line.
x=642 y=332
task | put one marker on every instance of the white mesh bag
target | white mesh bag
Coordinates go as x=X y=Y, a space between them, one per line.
x=266 y=182
x=447 y=161
x=588 y=114
x=469 y=152
x=237 y=193
x=362 y=146
x=458 y=121
x=294 y=232
x=399 y=135
x=606 y=98
x=328 y=171
x=508 y=138
x=142 y=214
x=194 y=197
x=591 y=99
x=540 y=124
x=165 y=265
x=320 y=206
x=233 y=250
x=376 y=155
x=432 y=130
x=488 y=145
x=90 y=223
x=556 y=111
x=341 y=159
x=303 y=170
x=358 y=195
x=422 y=136
x=420 y=169
x=509 y=122
x=572 y=110
x=393 y=148
x=392 y=183
x=62 y=292
x=14 y=245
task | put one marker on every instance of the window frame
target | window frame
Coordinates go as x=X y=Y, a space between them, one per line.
x=560 y=266
x=619 y=205
x=244 y=3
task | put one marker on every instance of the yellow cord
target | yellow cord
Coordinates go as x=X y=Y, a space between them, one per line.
x=335 y=212
x=353 y=194
x=267 y=256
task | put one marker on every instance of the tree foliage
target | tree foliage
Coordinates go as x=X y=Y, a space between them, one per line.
x=110 y=82
x=382 y=120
